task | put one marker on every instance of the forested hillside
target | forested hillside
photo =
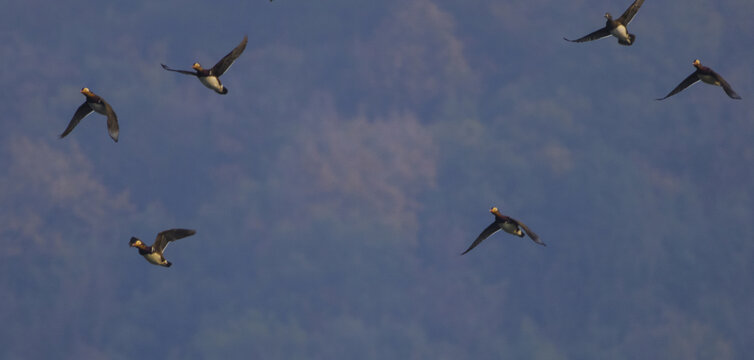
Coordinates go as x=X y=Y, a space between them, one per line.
x=356 y=155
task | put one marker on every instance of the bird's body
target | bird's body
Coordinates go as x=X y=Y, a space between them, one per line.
x=155 y=258
x=620 y=32
x=507 y=224
x=94 y=103
x=511 y=227
x=98 y=107
x=211 y=77
x=709 y=79
x=154 y=253
x=617 y=27
x=213 y=82
x=706 y=75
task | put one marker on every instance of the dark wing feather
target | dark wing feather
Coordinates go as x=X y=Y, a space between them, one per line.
x=528 y=231
x=165 y=237
x=81 y=113
x=112 y=121
x=598 y=34
x=228 y=60
x=178 y=71
x=630 y=12
x=726 y=87
x=688 y=81
x=489 y=230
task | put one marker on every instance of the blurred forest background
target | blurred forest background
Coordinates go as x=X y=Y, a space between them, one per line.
x=355 y=157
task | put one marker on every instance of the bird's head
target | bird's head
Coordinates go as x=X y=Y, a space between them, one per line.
x=697 y=63
x=135 y=242
x=494 y=210
x=196 y=66
x=608 y=16
x=86 y=91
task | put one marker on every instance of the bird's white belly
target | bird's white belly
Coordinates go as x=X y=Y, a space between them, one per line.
x=620 y=32
x=154 y=258
x=212 y=82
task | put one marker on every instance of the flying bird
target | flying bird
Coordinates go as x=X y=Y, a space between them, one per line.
x=94 y=103
x=154 y=253
x=706 y=75
x=615 y=28
x=507 y=224
x=211 y=77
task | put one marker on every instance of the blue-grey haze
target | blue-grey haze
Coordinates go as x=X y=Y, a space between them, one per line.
x=356 y=155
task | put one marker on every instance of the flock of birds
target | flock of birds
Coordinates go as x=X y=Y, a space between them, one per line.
x=211 y=79
x=618 y=28
x=95 y=103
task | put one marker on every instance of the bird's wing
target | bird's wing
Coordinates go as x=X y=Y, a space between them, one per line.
x=598 y=34
x=688 y=81
x=726 y=87
x=81 y=113
x=228 y=60
x=178 y=71
x=112 y=121
x=528 y=231
x=165 y=237
x=489 y=230
x=630 y=12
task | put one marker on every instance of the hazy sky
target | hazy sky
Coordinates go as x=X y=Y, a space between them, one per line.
x=356 y=155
